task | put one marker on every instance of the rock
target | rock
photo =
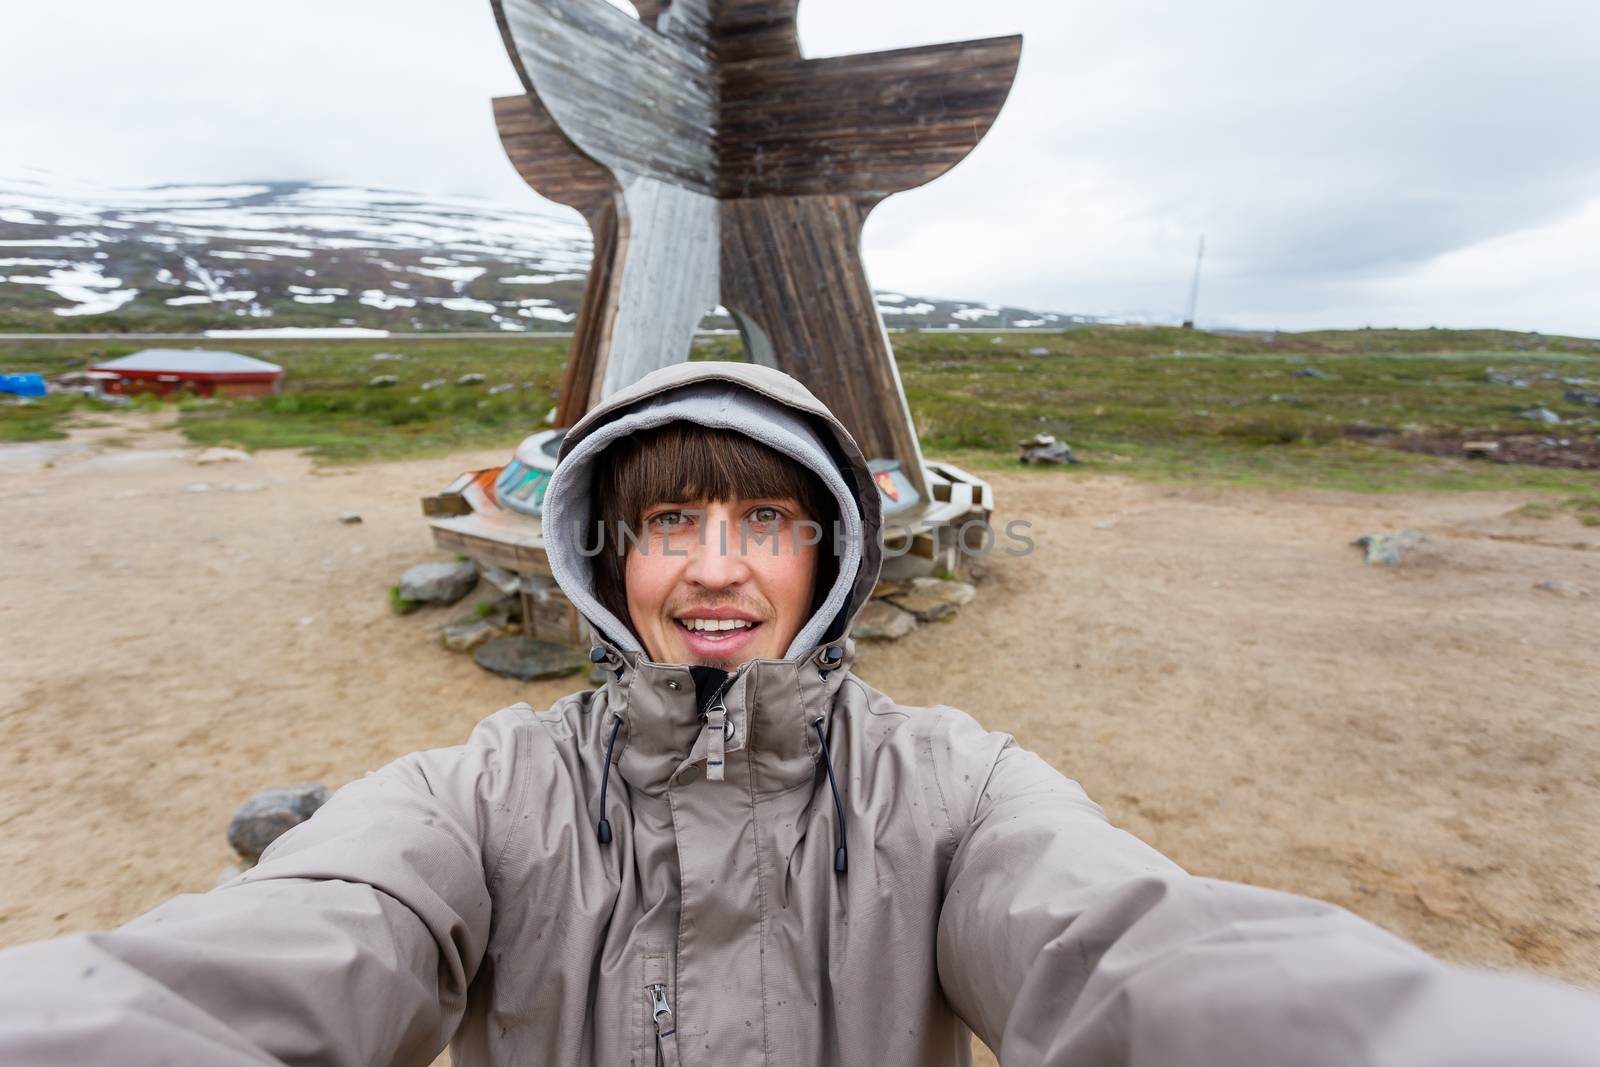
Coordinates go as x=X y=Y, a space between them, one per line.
x=1584 y=396
x=1501 y=378
x=438 y=583
x=265 y=816
x=221 y=455
x=882 y=621
x=502 y=579
x=1560 y=588
x=1480 y=449
x=471 y=379
x=503 y=387
x=1038 y=351
x=382 y=381
x=386 y=357
x=888 y=589
x=244 y=487
x=1544 y=415
x=464 y=635
x=433 y=384
x=350 y=518
x=904 y=567
x=1044 y=448
x=1312 y=372
x=1387 y=548
x=197 y=487
x=527 y=660
x=931 y=599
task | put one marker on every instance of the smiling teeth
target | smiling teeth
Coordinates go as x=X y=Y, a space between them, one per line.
x=715 y=624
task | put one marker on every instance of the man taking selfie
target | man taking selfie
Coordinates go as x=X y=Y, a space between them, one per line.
x=738 y=852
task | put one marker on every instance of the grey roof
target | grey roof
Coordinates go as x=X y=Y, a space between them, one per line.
x=190 y=360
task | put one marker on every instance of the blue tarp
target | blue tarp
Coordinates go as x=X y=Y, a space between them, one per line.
x=22 y=384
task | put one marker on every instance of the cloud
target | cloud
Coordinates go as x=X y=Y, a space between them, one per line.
x=1347 y=161
x=1323 y=149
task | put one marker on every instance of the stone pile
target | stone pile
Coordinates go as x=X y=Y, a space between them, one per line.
x=1044 y=448
x=896 y=608
x=1388 y=548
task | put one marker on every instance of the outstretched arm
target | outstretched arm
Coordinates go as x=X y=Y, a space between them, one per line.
x=1064 y=940
x=353 y=941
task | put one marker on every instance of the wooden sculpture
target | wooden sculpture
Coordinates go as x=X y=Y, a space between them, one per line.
x=715 y=164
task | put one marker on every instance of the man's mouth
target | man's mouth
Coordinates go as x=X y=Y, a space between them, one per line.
x=716 y=630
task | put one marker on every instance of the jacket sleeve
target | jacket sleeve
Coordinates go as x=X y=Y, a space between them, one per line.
x=352 y=942
x=1063 y=940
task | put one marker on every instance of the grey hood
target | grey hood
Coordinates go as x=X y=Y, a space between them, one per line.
x=767 y=406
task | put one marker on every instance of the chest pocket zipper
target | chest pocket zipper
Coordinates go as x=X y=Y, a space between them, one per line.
x=661 y=1011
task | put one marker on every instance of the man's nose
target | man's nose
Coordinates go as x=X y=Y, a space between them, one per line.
x=716 y=560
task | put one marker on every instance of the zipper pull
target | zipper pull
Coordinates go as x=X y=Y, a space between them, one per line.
x=661 y=1010
x=717 y=724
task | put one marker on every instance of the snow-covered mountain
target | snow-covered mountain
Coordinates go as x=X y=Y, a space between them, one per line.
x=75 y=256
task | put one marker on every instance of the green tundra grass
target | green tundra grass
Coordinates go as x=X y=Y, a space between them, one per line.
x=1316 y=410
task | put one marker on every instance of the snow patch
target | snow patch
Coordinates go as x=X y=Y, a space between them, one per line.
x=459 y=275
x=92 y=302
x=548 y=314
x=463 y=303
x=383 y=301
x=49 y=242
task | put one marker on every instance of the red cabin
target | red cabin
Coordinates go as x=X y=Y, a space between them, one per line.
x=192 y=371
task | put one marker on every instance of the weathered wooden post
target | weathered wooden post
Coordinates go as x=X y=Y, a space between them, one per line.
x=715 y=164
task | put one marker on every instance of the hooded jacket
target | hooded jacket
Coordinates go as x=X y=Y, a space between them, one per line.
x=468 y=895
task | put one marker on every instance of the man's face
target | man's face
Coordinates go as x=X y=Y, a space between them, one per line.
x=719 y=583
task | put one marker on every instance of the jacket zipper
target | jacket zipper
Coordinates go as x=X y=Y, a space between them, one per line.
x=661 y=1011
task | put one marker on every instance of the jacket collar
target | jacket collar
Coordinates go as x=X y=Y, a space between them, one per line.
x=772 y=706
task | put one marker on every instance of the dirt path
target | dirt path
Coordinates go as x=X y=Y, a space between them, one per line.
x=1217 y=667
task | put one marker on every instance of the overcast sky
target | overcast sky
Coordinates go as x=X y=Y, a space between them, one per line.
x=1385 y=162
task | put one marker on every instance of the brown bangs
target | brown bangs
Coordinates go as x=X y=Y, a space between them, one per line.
x=684 y=462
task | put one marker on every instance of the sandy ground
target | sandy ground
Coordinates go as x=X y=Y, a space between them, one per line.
x=1217 y=667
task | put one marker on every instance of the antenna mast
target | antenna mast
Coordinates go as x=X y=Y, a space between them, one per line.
x=1194 y=289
